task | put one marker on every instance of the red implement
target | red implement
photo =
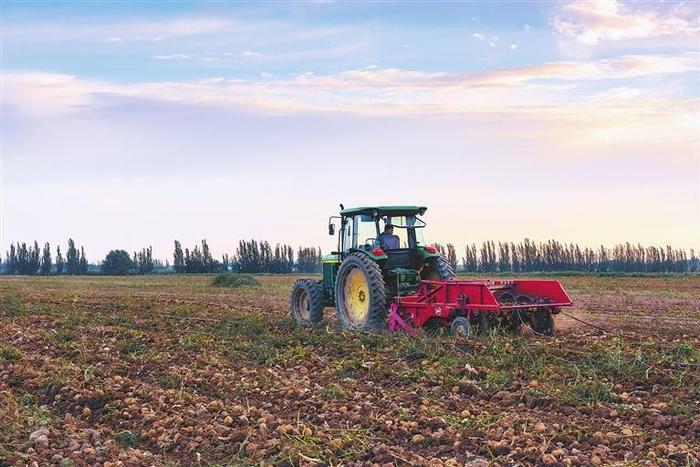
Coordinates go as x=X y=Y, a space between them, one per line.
x=443 y=301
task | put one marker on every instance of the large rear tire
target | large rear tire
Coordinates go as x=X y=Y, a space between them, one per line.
x=360 y=296
x=306 y=302
x=438 y=269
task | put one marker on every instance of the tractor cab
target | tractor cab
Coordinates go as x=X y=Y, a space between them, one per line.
x=365 y=229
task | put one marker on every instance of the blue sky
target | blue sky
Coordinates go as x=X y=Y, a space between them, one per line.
x=225 y=120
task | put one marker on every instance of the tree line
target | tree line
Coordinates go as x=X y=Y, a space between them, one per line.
x=30 y=260
x=252 y=256
x=554 y=256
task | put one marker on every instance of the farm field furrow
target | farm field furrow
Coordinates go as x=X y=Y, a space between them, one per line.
x=168 y=370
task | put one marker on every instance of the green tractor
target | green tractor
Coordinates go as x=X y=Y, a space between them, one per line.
x=381 y=254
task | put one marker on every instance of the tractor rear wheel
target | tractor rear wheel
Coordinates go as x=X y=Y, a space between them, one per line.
x=543 y=322
x=438 y=269
x=306 y=302
x=360 y=296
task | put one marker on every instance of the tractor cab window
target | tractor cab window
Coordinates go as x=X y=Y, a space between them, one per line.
x=399 y=231
x=407 y=229
x=365 y=232
x=417 y=225
x=348 y=235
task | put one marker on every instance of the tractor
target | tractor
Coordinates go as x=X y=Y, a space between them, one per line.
x=362 y=276
x=383 y=274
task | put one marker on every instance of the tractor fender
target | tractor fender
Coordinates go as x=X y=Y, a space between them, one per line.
x=371 y=254
x=425 y=256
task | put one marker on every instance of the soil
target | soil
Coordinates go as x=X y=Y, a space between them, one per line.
x=168 y=370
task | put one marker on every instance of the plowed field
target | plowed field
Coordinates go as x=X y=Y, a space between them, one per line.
x=167 y=370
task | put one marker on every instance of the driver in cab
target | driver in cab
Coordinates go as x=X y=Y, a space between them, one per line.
x=387 y=239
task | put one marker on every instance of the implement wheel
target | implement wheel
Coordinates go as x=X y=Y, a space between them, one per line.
x=460 y=327
x=306 y=302
x=438 y=269
x=360 y=296
x=543 y=322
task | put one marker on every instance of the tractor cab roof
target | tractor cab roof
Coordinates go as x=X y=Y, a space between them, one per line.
x=385 y=210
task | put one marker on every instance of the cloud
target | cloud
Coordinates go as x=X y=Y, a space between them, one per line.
x=172 y=57
x=551 y=92
x=148 y=31
x=591 y=22
x=250 y=53
x=492 y=41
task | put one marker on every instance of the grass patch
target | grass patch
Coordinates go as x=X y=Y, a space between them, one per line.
x=12 y=305
x=497 y=380
x=589 y=392
x=194 y=340
x=127 y=438
x=132 y=346
x=9 y=353
x=38 y=416
x=232 y=279
x=332 y=391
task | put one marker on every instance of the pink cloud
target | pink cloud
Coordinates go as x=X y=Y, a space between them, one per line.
x=591 y=22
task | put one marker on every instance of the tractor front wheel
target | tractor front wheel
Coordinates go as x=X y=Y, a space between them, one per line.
x=360 y=296
x=306 y=302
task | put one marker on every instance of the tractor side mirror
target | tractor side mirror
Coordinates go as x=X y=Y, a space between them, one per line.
x=331 y=229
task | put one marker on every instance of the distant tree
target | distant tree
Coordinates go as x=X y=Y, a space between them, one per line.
x=194 y=260
x=46 y=260
x=59 y=260
x=82 y=262
x=117 y=263
x=72 y=258
x=143 y=261
x=208 y=263
x=178 y=258
x=35 y=259
x=11 y=262
x=452 y=255
x=248 y=256
x=27 y=259
x=309 y=260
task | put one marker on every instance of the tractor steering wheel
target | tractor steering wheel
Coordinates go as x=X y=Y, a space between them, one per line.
x=371 y=242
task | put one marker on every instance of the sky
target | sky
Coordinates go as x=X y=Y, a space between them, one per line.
x=128 y=124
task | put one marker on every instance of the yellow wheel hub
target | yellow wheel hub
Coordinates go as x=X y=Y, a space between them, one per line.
x=356 y=292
